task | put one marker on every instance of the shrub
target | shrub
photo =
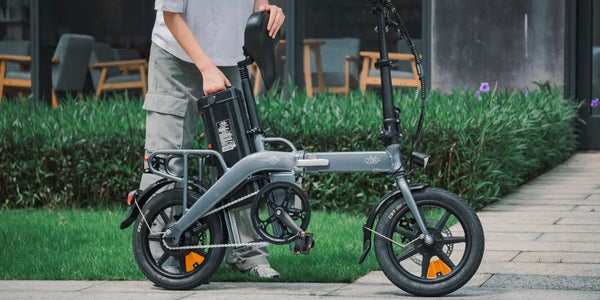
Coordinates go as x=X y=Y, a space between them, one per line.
x=89 y=154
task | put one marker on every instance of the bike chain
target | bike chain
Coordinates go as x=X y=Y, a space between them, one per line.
x=232 y=203
x=209 y=213
x=215 y=246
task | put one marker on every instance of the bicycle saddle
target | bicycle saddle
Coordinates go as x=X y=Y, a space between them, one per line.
x=260 y=46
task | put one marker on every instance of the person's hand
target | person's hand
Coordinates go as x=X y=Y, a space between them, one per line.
x=276 y=18
x=213 y=80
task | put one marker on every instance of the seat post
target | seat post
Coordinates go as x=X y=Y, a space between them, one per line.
x=249 y=96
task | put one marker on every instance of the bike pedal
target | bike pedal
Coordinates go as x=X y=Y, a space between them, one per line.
x=303 y=243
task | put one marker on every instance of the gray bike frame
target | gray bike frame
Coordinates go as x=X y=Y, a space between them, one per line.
x=295 y=163
x=286 y=165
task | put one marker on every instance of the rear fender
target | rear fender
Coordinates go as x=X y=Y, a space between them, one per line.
x=140 y=198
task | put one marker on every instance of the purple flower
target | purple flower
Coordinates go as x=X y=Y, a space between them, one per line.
x=526 y=93
x=594 y=103
x=478 y=95
x=484 y=87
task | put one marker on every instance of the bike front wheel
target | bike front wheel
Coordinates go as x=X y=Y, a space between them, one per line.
x=193 y=261
x=430 y=269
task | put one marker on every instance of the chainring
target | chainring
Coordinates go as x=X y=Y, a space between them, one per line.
x=277 y=198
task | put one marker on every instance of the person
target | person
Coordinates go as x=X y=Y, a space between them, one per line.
x=196 y=45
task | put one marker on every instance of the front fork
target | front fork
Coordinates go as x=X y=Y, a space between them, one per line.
x=406 y=191
x=400 y=177
x=414 y=209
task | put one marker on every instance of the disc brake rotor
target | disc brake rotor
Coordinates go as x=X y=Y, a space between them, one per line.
x=445 y=232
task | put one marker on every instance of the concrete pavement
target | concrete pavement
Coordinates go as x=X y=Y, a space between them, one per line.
x=542 y=242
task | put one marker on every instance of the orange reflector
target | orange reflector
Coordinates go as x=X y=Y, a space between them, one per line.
x=192 y=260
x=130 y=197
x=146 y=158
x=437 y=268
x=209 y=146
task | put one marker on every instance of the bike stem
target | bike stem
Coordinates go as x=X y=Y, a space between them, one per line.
x=391 y=123
x=391 y=132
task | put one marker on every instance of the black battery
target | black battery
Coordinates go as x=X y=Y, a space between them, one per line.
x=226 y=124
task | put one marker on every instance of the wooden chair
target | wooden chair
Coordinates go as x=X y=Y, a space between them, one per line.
x=122 y=54
x=370 y=75
x=68 y=71
x=340 y=64
x=109 y=73
x=15 y=48
x=404 y=75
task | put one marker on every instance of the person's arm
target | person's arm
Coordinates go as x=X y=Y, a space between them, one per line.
x=276 y=16
x=213 y=80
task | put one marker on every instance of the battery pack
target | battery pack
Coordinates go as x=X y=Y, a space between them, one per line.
x=225 y=120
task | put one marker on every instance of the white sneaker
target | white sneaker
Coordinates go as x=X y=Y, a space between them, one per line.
x=263 y=271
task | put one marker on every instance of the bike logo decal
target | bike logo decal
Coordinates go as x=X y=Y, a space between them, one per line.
x=372 y=160
x=273 y=160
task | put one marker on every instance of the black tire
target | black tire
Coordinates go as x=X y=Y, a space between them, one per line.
x=457 y=256
x=177 y=269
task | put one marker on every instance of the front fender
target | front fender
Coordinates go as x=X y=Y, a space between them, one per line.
x=376 y=211
x=141 y=198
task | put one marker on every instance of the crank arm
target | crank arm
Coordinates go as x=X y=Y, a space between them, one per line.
x=284 y=217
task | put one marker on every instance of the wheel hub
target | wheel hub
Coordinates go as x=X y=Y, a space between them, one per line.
x=188 y=238
x=437 y=242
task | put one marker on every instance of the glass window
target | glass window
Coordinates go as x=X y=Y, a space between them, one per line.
x=342 y=18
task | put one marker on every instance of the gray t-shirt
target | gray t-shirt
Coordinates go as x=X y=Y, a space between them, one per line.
x=218 y=26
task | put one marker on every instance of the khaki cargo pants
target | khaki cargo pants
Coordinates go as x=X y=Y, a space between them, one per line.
x=171 y=121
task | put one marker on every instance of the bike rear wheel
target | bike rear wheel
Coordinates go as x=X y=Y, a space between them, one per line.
x=177 y=269
x=430 y=270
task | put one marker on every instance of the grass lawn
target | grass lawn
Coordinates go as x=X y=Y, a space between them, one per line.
x=88 y=245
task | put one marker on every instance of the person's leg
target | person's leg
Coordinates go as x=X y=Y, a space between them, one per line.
x=171 y=112
x=253 y=259
x=171 y=116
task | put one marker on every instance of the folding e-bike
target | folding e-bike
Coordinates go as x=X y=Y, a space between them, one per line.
x=427 y=240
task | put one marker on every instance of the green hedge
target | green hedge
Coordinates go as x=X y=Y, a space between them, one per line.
x=89 y=154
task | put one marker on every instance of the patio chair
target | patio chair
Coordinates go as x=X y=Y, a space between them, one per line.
x=110 y=73
x=404 y=75
x=340 y=64
x=68 y=71
x=14 y=48
x=127 y=54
